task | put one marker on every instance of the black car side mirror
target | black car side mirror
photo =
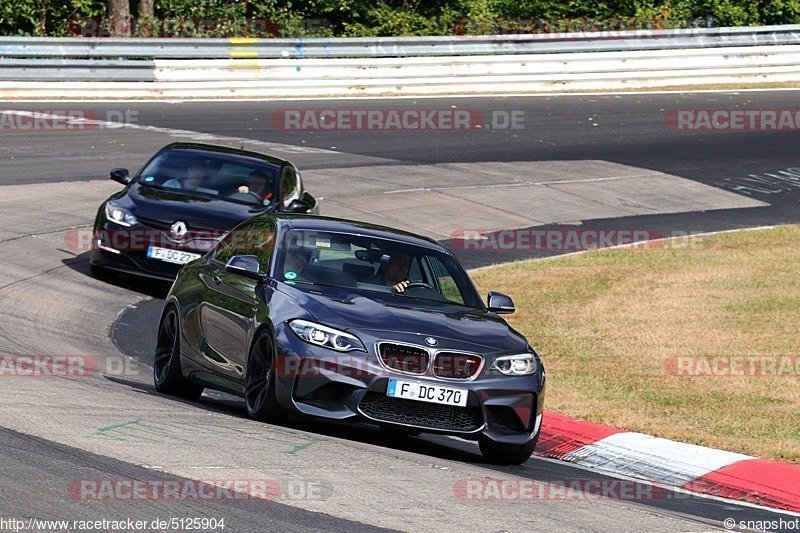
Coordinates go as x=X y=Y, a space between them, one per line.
x=245 y=265
x=298 y=206
x=120 y=175
x=500 y=303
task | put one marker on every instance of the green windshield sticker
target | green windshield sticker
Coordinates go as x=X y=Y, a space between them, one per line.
x=290 y=275
x=149 y=178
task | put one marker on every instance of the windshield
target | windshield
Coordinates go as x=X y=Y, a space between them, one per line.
x=228 y=176
x=370 y=264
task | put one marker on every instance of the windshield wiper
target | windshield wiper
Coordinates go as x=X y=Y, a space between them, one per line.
x=445 y=301
x=316 y=283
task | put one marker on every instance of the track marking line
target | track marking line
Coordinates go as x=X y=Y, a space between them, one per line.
x=518 y=184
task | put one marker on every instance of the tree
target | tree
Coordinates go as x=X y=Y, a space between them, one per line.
x=144 y=9
x=119 y=11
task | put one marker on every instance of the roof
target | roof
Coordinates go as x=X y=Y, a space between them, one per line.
x=225 y=150
x=320 y=223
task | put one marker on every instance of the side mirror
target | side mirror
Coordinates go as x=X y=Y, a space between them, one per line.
x=500 y=303
x=298 y=206
x=245 y=265
x=120 y=175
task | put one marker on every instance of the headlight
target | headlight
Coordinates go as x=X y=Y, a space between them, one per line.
x=523 y=364
x=120 y=215
x=326 y=337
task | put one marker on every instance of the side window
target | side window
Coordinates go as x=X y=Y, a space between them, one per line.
x=290 y=185
x=256 y=238
x=224 y=249
x=415 y=270
x=447 y=284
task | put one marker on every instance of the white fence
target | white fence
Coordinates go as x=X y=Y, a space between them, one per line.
x=249 y=68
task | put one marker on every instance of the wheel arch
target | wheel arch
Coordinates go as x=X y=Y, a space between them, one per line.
x=263 y=328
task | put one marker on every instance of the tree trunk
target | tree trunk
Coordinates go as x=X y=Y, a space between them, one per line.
x=144 y=9
x=119 y=11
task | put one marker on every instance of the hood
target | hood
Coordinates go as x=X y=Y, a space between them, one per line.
x=149 y=203
x=410 y=319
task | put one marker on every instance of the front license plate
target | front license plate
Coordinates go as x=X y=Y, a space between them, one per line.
x=425 y=392
x=171 y=256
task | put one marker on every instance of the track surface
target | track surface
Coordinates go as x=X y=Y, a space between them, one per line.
x=554 y=173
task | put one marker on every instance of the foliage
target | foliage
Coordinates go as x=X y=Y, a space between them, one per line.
x=304 y=18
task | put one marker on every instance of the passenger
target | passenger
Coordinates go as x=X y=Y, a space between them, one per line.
x=195 y=175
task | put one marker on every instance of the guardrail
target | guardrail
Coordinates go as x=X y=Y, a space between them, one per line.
x=186 y=68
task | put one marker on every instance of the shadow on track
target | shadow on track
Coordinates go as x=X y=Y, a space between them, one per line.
x=146 y=286
x=227 y=404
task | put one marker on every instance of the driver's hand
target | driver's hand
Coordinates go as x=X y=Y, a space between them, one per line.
x=401 y=287
x=244 y=189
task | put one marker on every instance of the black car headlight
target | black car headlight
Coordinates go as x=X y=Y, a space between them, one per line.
x=326 y=337
x=523 y=364
x=120 y=215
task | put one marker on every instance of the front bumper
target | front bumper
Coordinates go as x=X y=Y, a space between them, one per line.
x=352 y=386
x=125 y=250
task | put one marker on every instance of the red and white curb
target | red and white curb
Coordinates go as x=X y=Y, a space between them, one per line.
x=687 y=466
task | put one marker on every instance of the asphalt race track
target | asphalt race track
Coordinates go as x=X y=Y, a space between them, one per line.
x=604 y=162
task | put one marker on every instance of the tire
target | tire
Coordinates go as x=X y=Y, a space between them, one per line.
x=259 y=382
x=167 y=373
x=506 y=454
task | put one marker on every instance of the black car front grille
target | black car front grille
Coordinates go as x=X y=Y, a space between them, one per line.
x=456 y=365
x=422 y=414
x=157 y=233
x=404 y=358
x=154 y=223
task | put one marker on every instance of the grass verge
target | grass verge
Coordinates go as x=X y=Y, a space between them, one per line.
x=611 y=324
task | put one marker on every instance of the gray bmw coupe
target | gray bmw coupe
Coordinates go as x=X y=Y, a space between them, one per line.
x=349 y=321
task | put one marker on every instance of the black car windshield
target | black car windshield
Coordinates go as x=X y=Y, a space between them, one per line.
x=364 y=263
x=227 y=176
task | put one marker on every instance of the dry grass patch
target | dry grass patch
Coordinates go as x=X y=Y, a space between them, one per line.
x=608 y=322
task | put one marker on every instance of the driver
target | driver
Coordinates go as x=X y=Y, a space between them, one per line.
x=297 y=259
x=258 y=183
x=394 y=272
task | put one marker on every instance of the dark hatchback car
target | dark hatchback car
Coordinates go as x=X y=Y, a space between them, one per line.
x=183 y=201
x=349 y=321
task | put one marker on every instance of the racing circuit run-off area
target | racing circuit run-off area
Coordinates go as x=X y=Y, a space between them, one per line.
x=423 y=267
